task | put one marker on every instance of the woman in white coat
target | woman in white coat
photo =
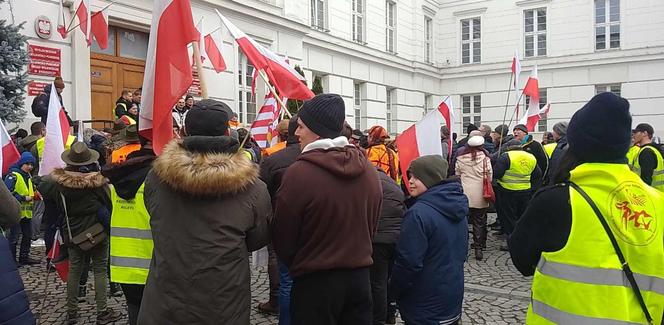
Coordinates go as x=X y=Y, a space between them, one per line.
x=471 y=165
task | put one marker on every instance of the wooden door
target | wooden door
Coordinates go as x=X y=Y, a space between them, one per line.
x=108 y=77
x=103 y=76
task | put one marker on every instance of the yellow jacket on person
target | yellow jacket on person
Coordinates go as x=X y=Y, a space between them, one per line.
x=517 y=177
x=583 y=283
x=24 y=189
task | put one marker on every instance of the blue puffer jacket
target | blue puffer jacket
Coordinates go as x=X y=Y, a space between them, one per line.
x=14 y=305
x=427 y=279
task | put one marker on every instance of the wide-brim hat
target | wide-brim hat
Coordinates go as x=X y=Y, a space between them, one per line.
x=79 y=155
x=130 y=133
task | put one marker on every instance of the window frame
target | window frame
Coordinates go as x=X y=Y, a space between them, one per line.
x=317 y=14
x=607 y=24
x=536 y=33
x=389 y=111
x=474 y=114
x=601 y=88
x=243 y=81
x=357 y=104
x=358 y=21
x=428 y=39
x=390 y=47
x=471 y=41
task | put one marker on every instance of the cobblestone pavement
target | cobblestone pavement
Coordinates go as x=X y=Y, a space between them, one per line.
x=495 y=292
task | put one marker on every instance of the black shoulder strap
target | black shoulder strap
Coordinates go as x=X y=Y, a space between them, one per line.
x=621 y=257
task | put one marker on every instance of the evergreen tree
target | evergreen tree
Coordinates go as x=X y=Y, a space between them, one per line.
x=317 y=87
x=294 y=105
x=13 y=78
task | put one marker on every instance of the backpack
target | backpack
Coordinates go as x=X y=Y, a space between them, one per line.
x=37 y=103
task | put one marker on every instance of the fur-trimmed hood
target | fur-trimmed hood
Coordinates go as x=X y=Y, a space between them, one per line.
x=78 y=180
x=207 y=173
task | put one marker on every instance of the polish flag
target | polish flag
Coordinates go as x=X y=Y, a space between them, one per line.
x=264 y=127
x=57 y=132
x=168 y=73
x=199 y=28
x=61 y=267
x=516 y=71
x=285 y=79
x=62 y=29
x=531 y=116
x=213 y=53
x=83 y=14
x=9 y=154
x=423 y=138
x=99 y=29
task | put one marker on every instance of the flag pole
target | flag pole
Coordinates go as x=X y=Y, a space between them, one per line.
x=507 y=102
x=79 y=23
x=274 y=93
x=199 y=69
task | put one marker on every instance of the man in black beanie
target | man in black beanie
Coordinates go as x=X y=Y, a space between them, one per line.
x=208 y=210
x=561 y=241
x=326 y=213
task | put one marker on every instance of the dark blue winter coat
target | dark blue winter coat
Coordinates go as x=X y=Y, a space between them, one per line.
x=14 y=305
x=427 y=279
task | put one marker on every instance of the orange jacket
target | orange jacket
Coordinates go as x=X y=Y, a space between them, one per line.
x=276 y=148
x=384 y=158
x=120 y=155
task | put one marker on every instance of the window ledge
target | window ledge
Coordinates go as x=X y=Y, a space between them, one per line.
x=321 y=29
x=528 y=3
x=470 y=12
x=608 y=50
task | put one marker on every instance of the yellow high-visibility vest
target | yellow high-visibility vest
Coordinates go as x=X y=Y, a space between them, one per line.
x=517 y=177
x=131 y=239
x=24 y=189
x=548 y=148
x=42 y=141
x=632 y=153
x=658 y=173
x=583 y=283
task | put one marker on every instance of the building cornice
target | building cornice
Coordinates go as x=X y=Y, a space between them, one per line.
x=529 y=3
x=470 y=12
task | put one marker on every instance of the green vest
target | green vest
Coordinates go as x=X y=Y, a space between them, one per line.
x=24 y=189
x=131 y=239
x=548 y=148
x=657 y=174
x=583 y=283
x=517 y=177
x=632 y=153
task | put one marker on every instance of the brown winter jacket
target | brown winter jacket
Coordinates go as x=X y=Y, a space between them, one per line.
x=327 y=210
x=208 y=210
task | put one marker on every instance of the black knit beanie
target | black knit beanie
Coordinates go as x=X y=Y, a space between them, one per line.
x=601 y=130
x=208 y=117
x=324 y=115
x=430 y=170
x=470 y=128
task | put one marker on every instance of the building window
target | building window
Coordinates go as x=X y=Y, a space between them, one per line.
x=125 y=43
x=246 y=102
x=318 y=14
x=391 y=26
x=428 y=39
x=358 y=20
x=471 y=109
x=471 y=48
x=535 y=32
x=389 y=109
x=542 y=125
x=428 y=103
x=614 y=88
x=607 y=22
x=357 y=105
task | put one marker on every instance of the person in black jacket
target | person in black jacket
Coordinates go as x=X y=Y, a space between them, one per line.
x=560 y=137
x=642 y=137
x=272 y=169
x=40 y=103
x=384 y=246
x=123 y=104
x=532 y=146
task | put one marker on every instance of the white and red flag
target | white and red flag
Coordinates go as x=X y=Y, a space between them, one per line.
x=532 y=115
x=9 y=154
x=62 y=29
x=57 y=132
x=168 y=73
x=285 y=78
x=423 y=138
x=83 y=14
x=264 y=127
x=516 y=71
x=99 y=28
x=213 y=52
x=199 y=28
x=62 y=266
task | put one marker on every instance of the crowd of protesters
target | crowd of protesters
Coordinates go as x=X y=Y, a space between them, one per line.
x=352 y=238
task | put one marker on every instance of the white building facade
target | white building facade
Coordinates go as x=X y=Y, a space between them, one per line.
x=391 y=60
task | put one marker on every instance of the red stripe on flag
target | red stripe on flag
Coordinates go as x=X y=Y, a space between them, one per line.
x=214 y=54
x=99 y=29
x=408 y=150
